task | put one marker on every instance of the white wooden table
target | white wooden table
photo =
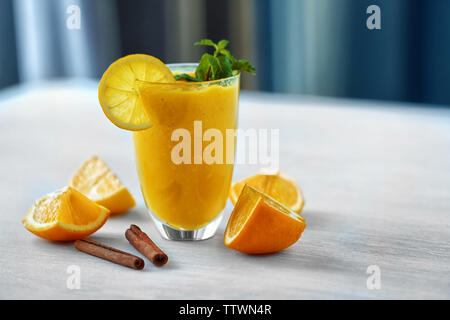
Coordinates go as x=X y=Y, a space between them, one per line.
x=376 y=179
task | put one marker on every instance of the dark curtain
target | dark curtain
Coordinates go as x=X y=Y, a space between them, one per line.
x=8 y=54
x=317 y=47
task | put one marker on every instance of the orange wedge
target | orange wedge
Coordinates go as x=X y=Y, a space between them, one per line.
x=65 y=215
x=279 y=186
x=118 y=92
x=96 y=181
x=259 y=224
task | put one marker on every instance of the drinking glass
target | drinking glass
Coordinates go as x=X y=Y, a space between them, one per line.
x=184 y=169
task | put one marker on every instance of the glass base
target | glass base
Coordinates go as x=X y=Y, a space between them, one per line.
x=170 y=233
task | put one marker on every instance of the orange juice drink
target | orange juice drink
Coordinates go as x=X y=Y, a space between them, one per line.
x=184 y=191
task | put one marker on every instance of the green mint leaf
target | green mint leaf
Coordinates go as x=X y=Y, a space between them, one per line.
x=214 y=68
x=217 y=70
x=185 y=76
x=203 y=70
x=244 y=65
x=206 y=42
x=222 y=44
x=224 y=68
x=227 y=53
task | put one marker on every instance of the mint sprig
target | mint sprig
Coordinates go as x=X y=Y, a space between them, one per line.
x=219 y=65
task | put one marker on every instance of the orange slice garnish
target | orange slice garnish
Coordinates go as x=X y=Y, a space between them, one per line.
x=118 y=91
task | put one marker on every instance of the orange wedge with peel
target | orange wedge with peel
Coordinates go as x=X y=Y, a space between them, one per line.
x=118 y=91
x=259 y=224
x=279 y=186
x=65 y=215
x=96 y=181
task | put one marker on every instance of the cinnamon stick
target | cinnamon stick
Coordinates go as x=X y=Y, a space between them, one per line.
x=146 y=246
x=111 y=254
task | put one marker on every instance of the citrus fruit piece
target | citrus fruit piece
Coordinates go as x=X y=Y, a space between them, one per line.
x=118 y=91
x=279 y=186
x=97 y=182
x=65 y=215
x=259 y=224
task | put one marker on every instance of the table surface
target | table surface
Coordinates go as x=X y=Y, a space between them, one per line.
x=376 y=178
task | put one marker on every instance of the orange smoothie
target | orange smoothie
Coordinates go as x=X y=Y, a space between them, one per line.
x=186 y=196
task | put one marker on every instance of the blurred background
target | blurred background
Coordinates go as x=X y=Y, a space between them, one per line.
x=314 y=47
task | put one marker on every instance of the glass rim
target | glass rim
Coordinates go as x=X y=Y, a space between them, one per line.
x=187 y=83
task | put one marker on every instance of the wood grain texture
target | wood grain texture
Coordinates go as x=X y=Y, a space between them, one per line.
x=376 y=179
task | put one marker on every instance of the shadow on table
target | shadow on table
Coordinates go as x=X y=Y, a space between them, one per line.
x=136 y=215
x=316 y=249
x=322 y=220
